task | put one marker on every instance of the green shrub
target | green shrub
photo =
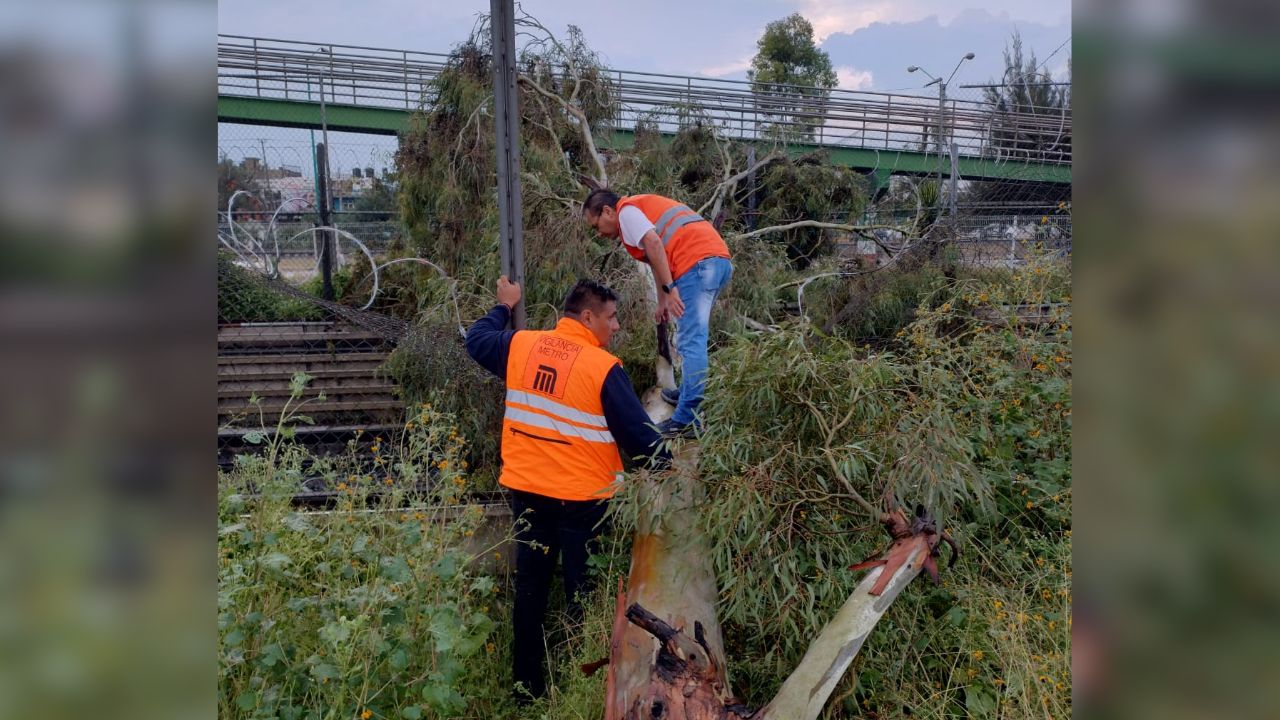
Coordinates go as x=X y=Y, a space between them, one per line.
x=808 y=432
x=377 y=609
x=243 y=296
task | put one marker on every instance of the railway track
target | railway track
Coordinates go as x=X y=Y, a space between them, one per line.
x=346 y=399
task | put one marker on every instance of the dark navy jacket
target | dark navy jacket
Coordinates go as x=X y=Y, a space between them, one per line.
x=488 y=343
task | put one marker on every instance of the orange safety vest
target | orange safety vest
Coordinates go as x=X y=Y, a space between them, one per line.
x=555 y=441
x=687 y=236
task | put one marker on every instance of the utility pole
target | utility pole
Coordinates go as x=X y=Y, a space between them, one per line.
x=326 y=236
x=942 y=122
x=507 y=123
x=266 y=168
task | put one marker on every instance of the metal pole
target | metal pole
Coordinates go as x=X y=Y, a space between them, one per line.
x=942 y=99
x=324 y=135
x=326 y=236
x=507 y=125
x=955 y=171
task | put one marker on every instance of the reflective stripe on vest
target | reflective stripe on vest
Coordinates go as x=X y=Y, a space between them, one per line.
x=549 y=423
x=667 y=223
x=556 y=409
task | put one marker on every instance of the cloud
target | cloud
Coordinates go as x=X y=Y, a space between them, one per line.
x=849 y=78
x=885 y=49
x=846 y=16
x=736 y=66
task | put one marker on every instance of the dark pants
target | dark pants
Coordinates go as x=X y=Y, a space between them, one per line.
x=545 y=528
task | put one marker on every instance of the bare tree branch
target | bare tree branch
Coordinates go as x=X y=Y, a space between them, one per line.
x=726 y=187
x=817 y=224
x=583 y=125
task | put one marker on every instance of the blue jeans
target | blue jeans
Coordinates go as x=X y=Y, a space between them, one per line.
x=698 y=287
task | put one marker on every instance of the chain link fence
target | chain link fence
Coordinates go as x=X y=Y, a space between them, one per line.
x=273 y=318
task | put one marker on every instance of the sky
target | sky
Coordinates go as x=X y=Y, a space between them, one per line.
x=870 y=42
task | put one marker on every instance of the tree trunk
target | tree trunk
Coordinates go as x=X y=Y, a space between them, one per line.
x=668 y=662
x=672 y=581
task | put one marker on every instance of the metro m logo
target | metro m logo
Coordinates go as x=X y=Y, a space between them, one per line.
x=548 y=369
x=544 y=380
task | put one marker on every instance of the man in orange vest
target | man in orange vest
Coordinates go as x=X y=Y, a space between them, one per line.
x=569 y=408
x=691 y=265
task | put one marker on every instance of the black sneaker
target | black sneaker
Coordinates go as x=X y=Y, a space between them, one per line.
x=672 y=429
x=671 y=395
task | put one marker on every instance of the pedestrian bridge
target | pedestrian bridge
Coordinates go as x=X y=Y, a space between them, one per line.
x=377 y=90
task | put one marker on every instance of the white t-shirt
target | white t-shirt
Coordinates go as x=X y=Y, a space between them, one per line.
x=634 y=225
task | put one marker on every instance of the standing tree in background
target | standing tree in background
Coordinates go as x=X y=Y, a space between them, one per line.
x=791 y=78
x=233 y=177
x=1030 y=122
x=1031 y=114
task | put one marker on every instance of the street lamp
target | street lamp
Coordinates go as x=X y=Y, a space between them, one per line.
x=942 y=102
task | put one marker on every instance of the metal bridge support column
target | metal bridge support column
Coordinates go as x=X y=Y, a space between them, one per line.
x=507 y=123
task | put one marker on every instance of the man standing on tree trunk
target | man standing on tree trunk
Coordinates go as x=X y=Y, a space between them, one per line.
x=691 y=265
x=570 y=407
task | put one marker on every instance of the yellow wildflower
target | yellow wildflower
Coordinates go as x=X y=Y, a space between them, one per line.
x=977 y=654
x=366 y=715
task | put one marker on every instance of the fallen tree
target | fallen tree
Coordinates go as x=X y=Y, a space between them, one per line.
x=667 y=659
x=810 y=435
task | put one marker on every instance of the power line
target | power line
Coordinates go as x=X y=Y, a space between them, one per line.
x=1055 y=52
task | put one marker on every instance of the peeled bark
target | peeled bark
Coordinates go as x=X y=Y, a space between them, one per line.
x=671 y=579
x=805 y=692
